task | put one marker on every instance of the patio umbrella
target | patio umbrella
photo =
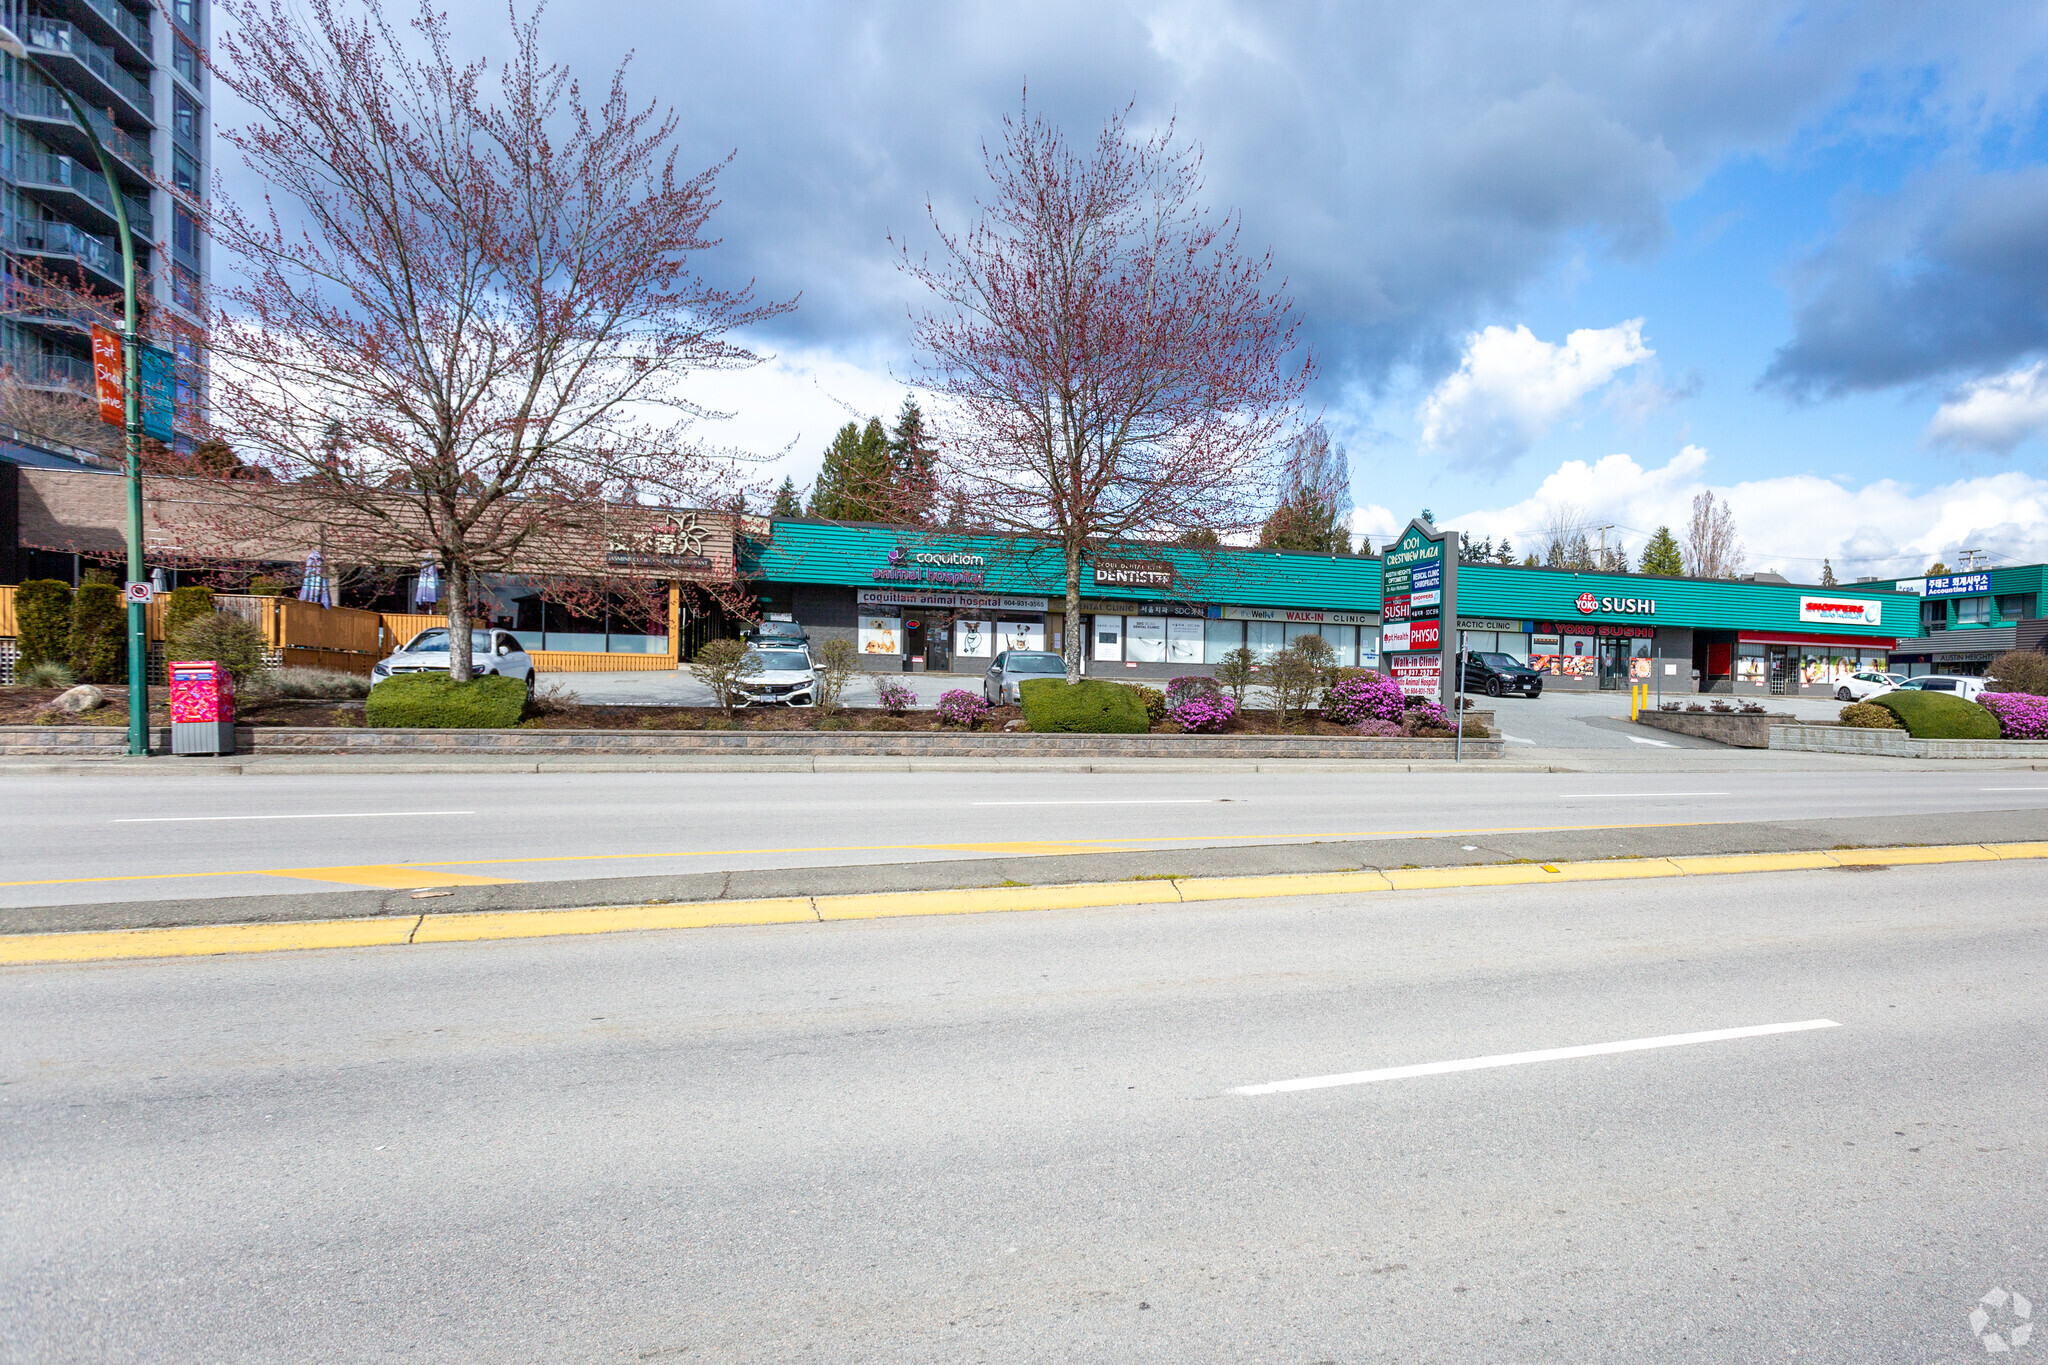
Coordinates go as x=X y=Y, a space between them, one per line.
x=427 y=591
x=316 y=586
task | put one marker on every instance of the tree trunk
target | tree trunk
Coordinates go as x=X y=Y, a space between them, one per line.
x=461 y=667
x=1076 y=636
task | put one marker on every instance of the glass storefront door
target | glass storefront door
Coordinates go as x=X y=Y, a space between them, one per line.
x=1613 y=665
x=1781 y=666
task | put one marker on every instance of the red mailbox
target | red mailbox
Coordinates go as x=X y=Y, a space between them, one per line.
x=202 y=708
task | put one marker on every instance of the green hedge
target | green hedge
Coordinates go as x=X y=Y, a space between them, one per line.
x=99 y=634
x=1936 y=715
x=186 y=604
x=42 y=620
x=1056 y=706
x=428 y=701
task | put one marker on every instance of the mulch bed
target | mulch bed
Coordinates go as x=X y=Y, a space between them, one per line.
x=31 y=706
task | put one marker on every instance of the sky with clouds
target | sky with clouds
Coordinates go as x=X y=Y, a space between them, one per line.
x=1544 y=252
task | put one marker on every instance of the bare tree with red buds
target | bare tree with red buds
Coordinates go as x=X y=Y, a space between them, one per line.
x=464 y=320
x=1112 y=368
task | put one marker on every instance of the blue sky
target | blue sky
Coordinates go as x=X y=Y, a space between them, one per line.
x=1546 y=253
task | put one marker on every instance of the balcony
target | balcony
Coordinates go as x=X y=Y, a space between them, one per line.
x=45 y=370
x=65 y=47
x=111 y=21
x=38 y=237
x=63 y=181
x=47 y=108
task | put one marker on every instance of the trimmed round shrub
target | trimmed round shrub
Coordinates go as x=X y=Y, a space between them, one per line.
x=1936 y=715
x=2021 y=715
x=1091 y=707
x=99 y=634
x=1364 y=695
x=1203 y=713
x=228 y=640
x=2020 y=670
x=961 y=707
x=42 y=621
x=429 y=701
x=1866 y=716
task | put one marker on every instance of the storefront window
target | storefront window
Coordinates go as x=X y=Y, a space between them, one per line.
x=1265 y=638
x=1973 y=611
x=974 y=639
x=1933 y=615
x=2016 y=606
x=881 y=634
x=1145 y=639
x=1183 y=640
x=1020 y=635
x=1109 y=639
x=1368 y=647
x=1749 y=664
x=1343 y=642
x=1219 y=638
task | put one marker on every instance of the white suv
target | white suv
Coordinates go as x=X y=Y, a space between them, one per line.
x=490 y=652
x=1969 y=689
x=1864 y=686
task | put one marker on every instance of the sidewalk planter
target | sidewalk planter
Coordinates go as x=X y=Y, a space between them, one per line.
x=1844 y=739
x=1736 y=730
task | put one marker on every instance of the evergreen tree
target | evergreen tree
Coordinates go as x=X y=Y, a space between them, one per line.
x=1661 y=555
x=787 y=504
x=915 y=455
x=1827 y=574
x=1201 y=538
x=1530 y=562
x=1364 y=550
x=1505 y=554
x=857 y=480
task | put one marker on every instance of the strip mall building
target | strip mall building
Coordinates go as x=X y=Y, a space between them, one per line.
x=914 y=599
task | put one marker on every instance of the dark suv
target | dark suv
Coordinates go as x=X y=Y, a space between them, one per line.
x=1497 y=674
x=783 y=633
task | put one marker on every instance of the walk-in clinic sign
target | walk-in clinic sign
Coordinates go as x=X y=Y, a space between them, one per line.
x=1418 y=594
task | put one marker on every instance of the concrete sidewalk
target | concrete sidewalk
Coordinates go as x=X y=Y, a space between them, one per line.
x=1441 y=851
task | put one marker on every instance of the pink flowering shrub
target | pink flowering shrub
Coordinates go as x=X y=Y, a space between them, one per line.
x=961 y=707
x=2019 y=716
x=895 y=697
x=1375 y=728
x=1423 y=715
x=1363 y=696
x=1203 y=713
x=1182 y=689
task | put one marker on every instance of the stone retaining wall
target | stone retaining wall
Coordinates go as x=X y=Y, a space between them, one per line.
x=1849 y=739
x=84 y=741
x=1736 y=730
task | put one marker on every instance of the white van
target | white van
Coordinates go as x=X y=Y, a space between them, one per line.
x=1969 y=689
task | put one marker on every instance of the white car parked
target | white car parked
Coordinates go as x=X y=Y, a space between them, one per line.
x=491 y=653
x=1969 y=689
x=778 y=677
x=1864 y=686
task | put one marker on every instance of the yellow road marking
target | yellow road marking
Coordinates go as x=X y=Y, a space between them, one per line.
x=392 y=876
x=454 y=927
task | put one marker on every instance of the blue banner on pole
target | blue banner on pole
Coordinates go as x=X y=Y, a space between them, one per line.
x=159 y=392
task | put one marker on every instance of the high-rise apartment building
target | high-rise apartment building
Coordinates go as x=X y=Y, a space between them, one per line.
x=139 y=73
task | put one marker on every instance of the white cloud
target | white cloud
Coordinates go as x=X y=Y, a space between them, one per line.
x=785 y=410
x=1512 y=386
x=1996 y=413
x=1882 y=529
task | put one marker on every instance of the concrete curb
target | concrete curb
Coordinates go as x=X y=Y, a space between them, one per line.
x=471 y=927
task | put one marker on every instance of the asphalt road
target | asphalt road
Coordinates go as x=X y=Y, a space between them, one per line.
x=76 y=840
x=1022 y=1138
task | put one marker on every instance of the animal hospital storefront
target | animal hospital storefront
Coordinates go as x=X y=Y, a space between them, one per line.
x=917 y=600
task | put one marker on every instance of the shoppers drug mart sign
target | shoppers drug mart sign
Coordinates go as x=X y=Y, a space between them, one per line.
x=1841 y=611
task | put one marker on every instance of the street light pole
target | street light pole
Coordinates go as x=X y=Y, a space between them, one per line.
x=131 y=386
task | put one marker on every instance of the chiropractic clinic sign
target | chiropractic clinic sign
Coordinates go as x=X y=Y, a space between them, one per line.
x=1841 y=611
x=1588 y=604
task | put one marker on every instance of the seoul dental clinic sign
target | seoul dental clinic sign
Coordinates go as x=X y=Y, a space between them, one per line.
x=1418 y=594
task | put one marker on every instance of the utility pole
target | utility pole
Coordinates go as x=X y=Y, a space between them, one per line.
x=1603 y=543
x=131 y=384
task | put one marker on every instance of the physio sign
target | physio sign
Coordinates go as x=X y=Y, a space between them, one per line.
x=1841 y=611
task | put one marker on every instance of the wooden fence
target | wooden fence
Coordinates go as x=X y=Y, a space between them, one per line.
x=304 y=635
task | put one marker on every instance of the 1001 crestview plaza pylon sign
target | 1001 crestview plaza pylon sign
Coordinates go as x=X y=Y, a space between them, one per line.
x=1419 y=610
